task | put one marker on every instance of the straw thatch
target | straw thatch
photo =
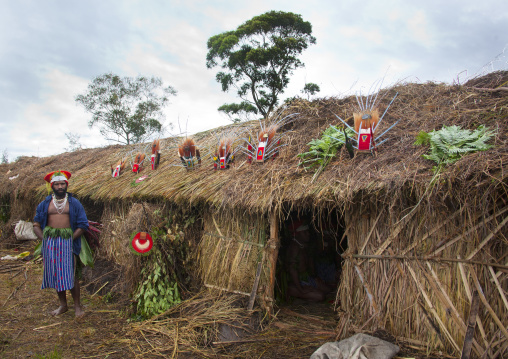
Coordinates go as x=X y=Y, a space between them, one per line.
x=398 y=166
x=419 y=246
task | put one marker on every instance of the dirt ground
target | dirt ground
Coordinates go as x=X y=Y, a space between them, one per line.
x=27 y=330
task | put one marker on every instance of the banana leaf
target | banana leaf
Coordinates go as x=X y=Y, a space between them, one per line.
x=86 y=255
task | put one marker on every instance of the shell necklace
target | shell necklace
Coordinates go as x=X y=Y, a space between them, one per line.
x=60 y=204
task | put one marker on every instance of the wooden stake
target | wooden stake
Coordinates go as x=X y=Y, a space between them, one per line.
x=471 y=324
x=254 y=287
x=449 y=305
x=468 y=294
x=273 y=251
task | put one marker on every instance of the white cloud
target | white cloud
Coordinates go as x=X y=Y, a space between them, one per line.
x=419 y=27
x=44 y=124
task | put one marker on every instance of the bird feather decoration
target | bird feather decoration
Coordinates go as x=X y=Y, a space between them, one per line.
x=188 y=151
x=268 y=144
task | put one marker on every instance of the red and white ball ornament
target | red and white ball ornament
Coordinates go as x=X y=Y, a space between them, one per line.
x=142 y=243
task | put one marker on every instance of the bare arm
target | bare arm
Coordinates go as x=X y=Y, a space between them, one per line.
x=38 y=230
x=77 y=233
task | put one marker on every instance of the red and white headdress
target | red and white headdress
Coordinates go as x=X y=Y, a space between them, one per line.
x=56 y=176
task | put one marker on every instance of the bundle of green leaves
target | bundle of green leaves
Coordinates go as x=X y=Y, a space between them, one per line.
x=322 y=150
x=450 y=143
x=158 y=287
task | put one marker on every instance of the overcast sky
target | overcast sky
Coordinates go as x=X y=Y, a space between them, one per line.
x=52 y=49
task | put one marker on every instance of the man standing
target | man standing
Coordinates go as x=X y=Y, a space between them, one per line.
x=59 y=222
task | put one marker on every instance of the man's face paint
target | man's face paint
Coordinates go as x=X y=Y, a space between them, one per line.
x=60 y=188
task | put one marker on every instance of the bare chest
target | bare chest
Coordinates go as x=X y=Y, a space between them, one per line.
x=52 y=209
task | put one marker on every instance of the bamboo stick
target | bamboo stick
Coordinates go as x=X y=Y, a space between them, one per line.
x=393 y=234
x=370 y=233
x=430 y=233
x=226 y=289
x=457 y=317
x=487 y=305
x=446 y=245
x=233 y=239
x=369 y=292
x=488 y=238
x=469 y=297
x=501 y=292
x=254 y=287
x=433 y=310
x=431 y=259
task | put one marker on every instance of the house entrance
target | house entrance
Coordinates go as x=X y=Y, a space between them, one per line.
x=309 y=262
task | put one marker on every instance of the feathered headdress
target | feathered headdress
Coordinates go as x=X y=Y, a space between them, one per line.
x=188 y=150
x=56 y=176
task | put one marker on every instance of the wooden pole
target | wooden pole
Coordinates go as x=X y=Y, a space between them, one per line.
x=254 y=287
x=273 y=252
x=471 y=324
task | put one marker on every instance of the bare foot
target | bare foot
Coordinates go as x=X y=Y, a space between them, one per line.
x=60 y=310
x=79 y=312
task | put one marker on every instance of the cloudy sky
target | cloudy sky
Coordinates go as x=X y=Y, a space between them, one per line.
x=52 y=49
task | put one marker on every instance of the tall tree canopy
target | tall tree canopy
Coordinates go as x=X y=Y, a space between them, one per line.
x=257 y=59
x=126 y=110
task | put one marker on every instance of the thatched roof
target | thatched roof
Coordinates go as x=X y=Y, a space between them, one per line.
x=397 y=171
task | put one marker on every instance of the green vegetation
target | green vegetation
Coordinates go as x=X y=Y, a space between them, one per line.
x=310 y=89
x=257 y=59
x=5 y=212
x=55 y=354
x=322 y=150
x=163 y=270
x=126 y=110
x=449 y=144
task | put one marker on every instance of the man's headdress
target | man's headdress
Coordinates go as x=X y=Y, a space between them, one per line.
x=56 y=176
x=298 y=226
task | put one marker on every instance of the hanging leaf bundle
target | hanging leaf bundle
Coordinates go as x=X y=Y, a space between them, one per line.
x=322 y=150
x=449 y=144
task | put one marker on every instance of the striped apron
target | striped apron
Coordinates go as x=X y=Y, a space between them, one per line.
x=59 y=262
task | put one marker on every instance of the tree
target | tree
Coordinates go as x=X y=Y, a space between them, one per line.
x=125 y=107
x=5 y=156
x=310 y=89
x=74 y=141
x=257 y=59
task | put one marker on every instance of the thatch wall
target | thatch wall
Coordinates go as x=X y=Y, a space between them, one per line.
x=232 y=246
x=426 y=297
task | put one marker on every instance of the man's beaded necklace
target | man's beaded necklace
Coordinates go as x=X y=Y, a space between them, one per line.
x=60 y=204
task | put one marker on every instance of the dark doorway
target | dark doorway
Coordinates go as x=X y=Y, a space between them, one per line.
x=309 y=262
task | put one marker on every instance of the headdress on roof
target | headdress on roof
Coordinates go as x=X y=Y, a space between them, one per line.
x=56 y=176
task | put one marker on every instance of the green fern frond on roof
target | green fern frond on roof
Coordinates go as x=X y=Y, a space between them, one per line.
x=450 y=143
